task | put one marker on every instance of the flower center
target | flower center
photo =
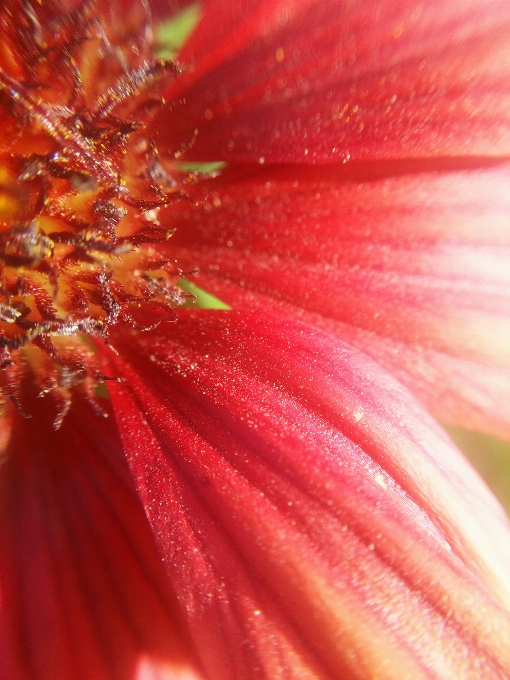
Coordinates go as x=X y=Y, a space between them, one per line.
x=80 y=190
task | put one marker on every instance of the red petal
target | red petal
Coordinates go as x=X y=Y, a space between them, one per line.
x=414 y=266
x=314 y=522
x=327 y=81
x=162 y=9
x=84 y=594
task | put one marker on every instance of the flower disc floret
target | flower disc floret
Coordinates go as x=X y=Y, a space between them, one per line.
x=81 y=185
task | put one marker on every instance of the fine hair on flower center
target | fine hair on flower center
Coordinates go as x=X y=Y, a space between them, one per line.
x=81 y=185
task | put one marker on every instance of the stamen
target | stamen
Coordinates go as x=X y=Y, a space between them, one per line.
x=77 y=175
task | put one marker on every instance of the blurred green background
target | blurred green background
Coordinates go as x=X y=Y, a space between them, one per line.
x=491 y=457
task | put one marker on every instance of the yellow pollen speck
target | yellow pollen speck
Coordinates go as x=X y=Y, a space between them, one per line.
x=280 y=54
x=343 y=111
x=398 y=31
x=358 y=415
x=380 y=480
x=152 y=216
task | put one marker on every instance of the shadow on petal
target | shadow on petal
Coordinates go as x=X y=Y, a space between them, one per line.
x=84 y=594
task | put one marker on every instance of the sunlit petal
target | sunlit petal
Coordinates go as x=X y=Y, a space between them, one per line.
x=330 y=81
x=301 y=498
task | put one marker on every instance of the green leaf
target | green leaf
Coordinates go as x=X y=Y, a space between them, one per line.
x=490 y=456
x=203 y=168
x=202 y=299
x=173 y=33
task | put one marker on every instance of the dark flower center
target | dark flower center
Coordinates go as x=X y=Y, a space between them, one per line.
x=80 y=189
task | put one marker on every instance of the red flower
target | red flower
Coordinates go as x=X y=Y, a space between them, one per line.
x=312 y=519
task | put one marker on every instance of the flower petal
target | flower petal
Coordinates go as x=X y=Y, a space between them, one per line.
x=414 y=266
x=84 y=594
x=314 y=522
x=326 y=81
